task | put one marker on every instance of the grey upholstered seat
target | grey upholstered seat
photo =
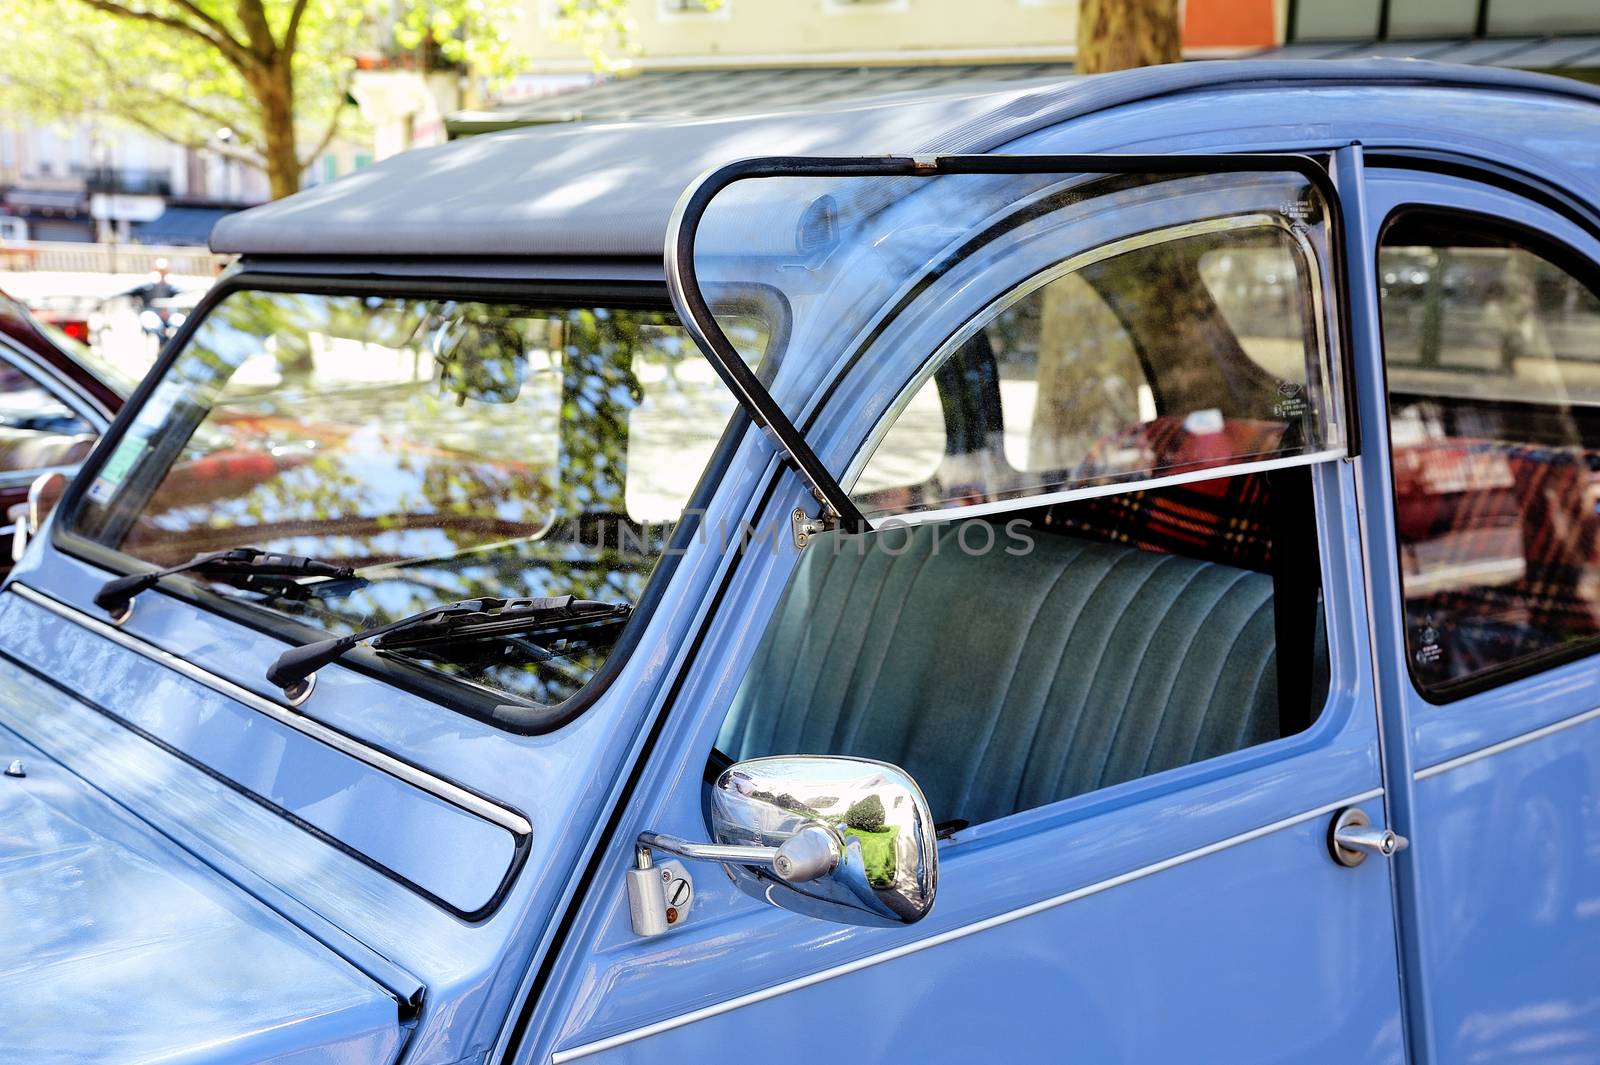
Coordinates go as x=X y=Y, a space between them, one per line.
x=1003 y=682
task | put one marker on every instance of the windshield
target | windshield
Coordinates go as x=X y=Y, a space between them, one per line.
x=444 y=449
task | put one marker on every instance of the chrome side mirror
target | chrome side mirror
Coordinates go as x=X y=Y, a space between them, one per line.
x=43 y=495
x=843 y=839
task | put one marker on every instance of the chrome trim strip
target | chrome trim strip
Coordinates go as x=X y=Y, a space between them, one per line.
x=1036 y=500
x=634 y=1035
x=28 y=476
x=1506 y=745
x=404 y=771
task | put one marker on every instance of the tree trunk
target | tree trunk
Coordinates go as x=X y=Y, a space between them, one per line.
x=1119 y=34
x=274 y=91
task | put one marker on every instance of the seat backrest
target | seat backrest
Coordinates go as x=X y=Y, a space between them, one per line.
x=1005 y=681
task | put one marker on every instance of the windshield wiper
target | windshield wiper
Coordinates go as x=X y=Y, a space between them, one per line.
x=234 y=564
x=468 y=619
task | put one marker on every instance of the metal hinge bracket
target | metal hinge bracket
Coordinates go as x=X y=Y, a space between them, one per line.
x=804 y=526
x=659 y=896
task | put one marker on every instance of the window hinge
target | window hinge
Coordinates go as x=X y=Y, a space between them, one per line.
x=805 y=526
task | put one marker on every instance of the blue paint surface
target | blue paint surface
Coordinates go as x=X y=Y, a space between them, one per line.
x=120 y=947
x=191 y=921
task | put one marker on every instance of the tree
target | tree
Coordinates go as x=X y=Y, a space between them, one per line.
x=273 y=74
x=1083 y=352
x=603 y=30
x=1119 y=34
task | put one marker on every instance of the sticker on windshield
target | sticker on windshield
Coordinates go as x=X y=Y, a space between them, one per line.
x=115 y=471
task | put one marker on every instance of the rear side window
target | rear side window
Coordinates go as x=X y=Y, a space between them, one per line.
x=1492 y=344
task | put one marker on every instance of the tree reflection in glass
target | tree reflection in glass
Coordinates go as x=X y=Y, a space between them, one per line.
x=446 y=449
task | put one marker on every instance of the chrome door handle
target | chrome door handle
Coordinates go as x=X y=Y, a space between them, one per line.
x=1351 y=838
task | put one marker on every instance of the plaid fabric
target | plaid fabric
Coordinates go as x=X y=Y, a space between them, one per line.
x=1226 y=520
x=1501 y=552
x=1167 y=445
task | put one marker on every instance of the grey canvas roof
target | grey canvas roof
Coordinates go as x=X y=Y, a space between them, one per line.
x=608 y=190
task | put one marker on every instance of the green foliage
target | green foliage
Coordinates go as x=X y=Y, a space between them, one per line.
x=274 y=73
x=603 y=30
x=866 y=814
x=877 y=853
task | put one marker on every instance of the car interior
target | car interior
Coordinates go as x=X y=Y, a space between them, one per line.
x=1056 y=647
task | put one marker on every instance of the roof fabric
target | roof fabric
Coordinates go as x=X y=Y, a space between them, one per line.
x=608 y=190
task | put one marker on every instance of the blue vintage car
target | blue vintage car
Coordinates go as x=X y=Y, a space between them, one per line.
x=1098 y=572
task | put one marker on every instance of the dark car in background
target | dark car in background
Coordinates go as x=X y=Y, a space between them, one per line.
x=56 y=397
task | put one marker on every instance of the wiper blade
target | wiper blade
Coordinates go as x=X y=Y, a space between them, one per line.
x=468 y=619
x=236 y=563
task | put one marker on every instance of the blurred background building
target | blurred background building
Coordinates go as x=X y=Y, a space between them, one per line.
x=84 y=181
x=87 y=181
x=751 y=55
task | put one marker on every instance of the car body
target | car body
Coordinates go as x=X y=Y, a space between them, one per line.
x=1092 y=501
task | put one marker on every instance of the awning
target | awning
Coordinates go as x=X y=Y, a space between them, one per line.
x=655 y=94
x=180 y=225
x=704 y=93
x=58 y=201
x=1579 y=55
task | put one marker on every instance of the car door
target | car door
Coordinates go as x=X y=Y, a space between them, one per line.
x=1100 y=603
x=1491 y=329
x=42 y=428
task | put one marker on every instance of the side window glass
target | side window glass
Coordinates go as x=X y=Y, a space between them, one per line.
x=1177 y=353
x=1492 y=344
x=1028 y=641
x=37 y=430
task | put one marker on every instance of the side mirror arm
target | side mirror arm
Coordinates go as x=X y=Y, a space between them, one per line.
x=809 y=854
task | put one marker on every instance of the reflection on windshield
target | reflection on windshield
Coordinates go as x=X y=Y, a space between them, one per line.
x=447 y=450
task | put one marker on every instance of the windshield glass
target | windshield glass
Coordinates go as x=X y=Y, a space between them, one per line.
x=445 y=449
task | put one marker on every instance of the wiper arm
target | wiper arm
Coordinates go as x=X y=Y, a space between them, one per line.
x=468 y=619
x=116 y=594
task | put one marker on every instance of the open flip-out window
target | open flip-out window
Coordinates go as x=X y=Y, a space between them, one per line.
x=1085 y=384
x=1145 y=320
